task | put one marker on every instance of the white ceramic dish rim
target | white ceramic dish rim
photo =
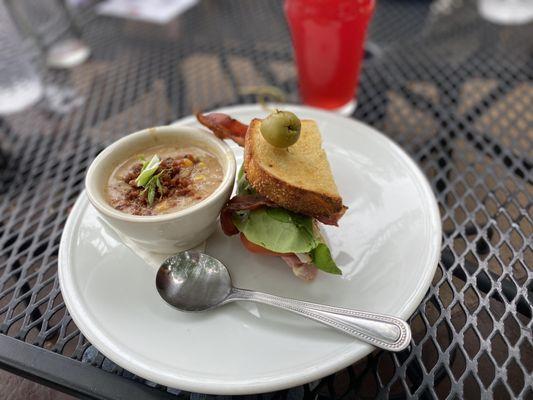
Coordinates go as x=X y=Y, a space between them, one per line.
x=201 y=135
x=215 y=386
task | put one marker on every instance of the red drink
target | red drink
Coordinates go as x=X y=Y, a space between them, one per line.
x=328 y=38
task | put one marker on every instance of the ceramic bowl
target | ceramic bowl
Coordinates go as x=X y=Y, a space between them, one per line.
x=166 y=233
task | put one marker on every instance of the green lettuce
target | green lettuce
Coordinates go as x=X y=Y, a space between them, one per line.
x=321 y=257
x=283 y=231
x=243 y=186
x=273 y=234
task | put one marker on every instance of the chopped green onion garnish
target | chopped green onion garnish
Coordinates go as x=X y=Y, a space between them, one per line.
x=151 y=195
x=159 y=184
x=148 y=171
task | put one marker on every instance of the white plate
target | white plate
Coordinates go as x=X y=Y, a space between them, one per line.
x=387 y=246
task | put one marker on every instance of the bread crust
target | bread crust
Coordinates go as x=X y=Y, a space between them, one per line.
x=300 y=200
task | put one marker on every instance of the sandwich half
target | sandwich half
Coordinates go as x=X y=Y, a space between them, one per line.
x=282 y=195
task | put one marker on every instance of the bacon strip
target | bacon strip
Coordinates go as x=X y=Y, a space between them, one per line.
x=241 y=203
x=255 y=201
x=224 y=127
x=332 y=219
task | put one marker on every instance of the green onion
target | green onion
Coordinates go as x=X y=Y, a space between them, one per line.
x=151 y=195
x=158 y=183
x=147 y=171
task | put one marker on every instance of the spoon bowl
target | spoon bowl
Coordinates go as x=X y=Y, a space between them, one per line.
x=194 y=281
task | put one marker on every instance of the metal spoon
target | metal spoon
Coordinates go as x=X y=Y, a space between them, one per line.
x=193 y=281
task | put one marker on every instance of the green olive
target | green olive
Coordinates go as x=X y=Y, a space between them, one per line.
x=281 y=128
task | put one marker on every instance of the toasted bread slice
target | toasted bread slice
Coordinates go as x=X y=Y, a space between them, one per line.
x=297 y=178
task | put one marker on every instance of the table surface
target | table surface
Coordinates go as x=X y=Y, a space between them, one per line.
x=455 y=91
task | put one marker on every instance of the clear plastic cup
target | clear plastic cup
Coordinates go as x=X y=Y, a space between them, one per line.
x=20 y=84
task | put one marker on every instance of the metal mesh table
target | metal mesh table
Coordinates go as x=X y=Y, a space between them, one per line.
x=453 y=90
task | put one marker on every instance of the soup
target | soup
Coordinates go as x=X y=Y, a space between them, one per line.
x=163 y=179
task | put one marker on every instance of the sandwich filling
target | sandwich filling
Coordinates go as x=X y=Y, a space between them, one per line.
x=277 y=230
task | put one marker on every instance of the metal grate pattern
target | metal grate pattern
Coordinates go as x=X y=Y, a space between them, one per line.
x=453 y=90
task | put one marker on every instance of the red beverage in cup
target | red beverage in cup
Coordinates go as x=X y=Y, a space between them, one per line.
x=328 y=38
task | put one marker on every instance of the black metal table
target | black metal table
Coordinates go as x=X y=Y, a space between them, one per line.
x=452 y=89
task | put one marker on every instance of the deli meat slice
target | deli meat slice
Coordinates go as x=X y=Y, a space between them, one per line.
x=307 y=272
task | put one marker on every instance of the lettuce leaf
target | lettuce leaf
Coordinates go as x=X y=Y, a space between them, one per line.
x=243 y=186
x=277 y=234
x=321 y=257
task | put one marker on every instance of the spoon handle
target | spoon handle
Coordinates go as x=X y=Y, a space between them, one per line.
x=384 y=331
